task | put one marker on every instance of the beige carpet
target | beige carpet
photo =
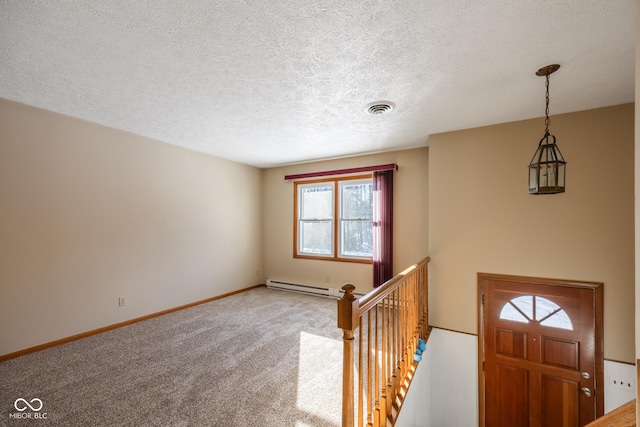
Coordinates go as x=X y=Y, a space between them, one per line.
x=260 y=358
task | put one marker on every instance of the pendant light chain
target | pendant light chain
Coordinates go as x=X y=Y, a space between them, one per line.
x=546 y=111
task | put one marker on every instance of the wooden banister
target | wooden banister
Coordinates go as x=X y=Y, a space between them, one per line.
x=624 y=416
x=347 y=319
x=387 y=324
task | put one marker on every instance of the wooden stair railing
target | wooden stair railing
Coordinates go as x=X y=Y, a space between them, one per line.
x=624 y=416
x=381 y=332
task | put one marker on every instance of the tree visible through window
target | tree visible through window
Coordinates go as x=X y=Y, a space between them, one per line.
x=356 y=214
x=334 y=219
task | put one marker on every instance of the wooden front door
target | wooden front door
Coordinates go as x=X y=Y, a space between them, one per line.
x=541 y=352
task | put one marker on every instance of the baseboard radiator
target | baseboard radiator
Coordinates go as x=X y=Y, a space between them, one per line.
x=305 y=288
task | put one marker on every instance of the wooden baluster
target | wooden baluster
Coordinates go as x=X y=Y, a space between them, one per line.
x=383 y=360
x=369 y=376
x=425 y=288
x=419 y=306
x=388 y=362
x=401 y=349
x=360 y=377
x=409 y=326
x=347 y=315
x=415 y=323
x=400 y=341
x=403 y=332
x=421 y=303
x=392 y=357
x=408 y=329
x=396 y=343
x=376 y=366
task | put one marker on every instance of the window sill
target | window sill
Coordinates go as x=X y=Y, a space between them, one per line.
x=325 y=258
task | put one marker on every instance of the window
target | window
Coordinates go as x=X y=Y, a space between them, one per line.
x=531 y=308
x=333 y=219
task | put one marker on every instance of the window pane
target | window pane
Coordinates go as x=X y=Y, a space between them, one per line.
x=315 y=237
x=357 y=200
x=357 y=238
x=509 y=312
x=544 y=307
x=551 y=314
x=547 y=312
x=316 y=202
x=525 y=304
x=319 y=234
x=559 y=320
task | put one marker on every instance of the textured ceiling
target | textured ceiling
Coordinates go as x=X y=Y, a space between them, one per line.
x=276 y=82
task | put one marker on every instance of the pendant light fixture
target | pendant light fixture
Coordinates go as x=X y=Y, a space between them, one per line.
x=547 y=168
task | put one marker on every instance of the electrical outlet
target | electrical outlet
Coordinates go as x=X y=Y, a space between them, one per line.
x=122 y=301
x=621 y=382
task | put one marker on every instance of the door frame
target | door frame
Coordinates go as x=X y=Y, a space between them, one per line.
x=597 y=287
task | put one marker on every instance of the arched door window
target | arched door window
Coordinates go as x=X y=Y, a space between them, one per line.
x=530 y=308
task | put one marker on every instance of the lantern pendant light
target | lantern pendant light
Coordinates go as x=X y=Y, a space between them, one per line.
x=547 y=168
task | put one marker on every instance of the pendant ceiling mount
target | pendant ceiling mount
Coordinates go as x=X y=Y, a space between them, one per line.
x=549 y=69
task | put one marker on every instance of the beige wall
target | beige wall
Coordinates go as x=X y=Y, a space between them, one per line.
x=89 y=214
x=481 y=218
x=410 y=221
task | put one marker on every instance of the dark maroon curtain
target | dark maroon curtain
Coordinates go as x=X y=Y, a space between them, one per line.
x=382 y=227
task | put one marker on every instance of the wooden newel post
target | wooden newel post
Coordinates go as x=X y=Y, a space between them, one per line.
x=348 y=322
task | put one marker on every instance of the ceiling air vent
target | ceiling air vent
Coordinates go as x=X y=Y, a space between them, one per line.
x=380 y=107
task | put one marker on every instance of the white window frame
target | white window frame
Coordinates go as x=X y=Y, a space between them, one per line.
x=342 y=219
x=300 y=221
x=336 y=220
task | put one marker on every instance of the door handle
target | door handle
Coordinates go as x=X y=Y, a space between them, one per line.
x=586 y=391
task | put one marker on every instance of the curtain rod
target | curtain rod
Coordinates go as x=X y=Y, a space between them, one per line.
x=390 y=166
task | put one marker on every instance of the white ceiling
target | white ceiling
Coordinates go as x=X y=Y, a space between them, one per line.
x=275 y=82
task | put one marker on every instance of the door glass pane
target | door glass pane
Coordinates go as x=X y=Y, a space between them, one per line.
x=559 y=320
x=547 y=312
x=524 y=304
x=545 y=307
x=509 y=312
x=551 y=314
